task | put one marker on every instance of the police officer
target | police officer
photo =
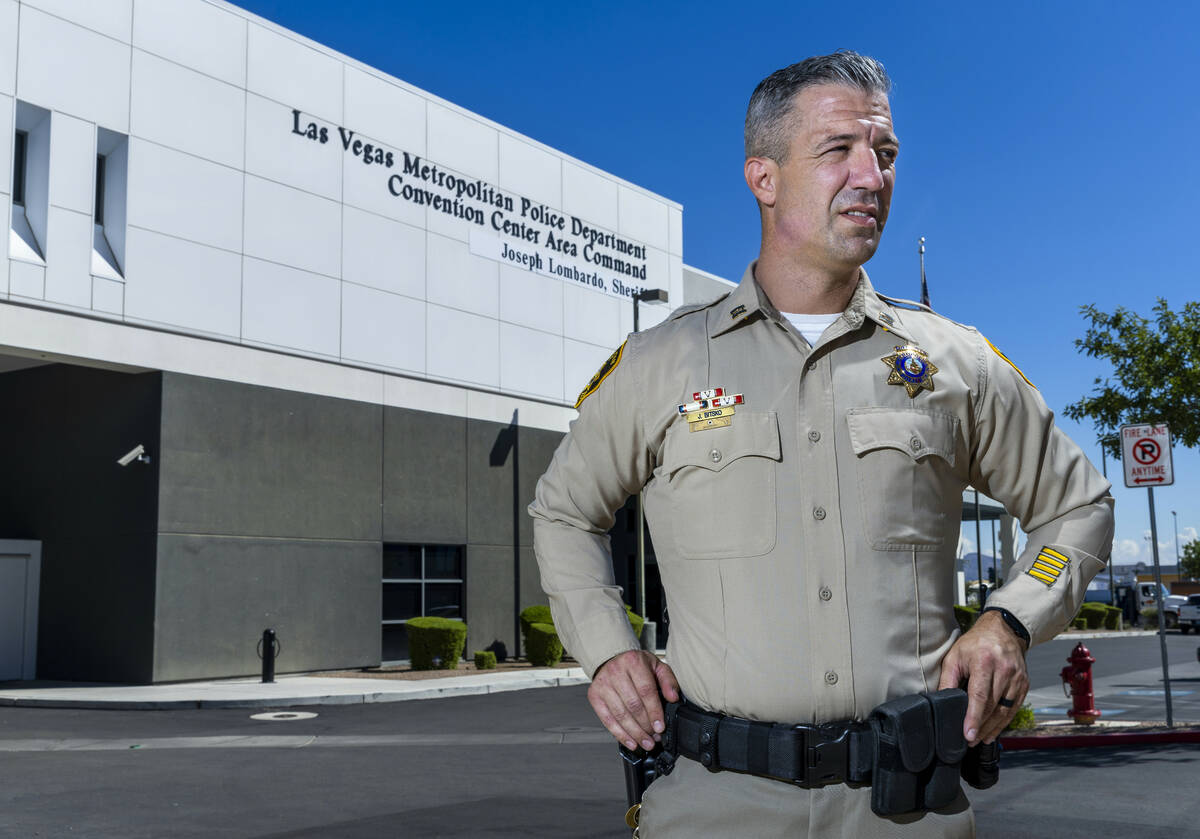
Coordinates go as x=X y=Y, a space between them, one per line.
x=803 y=444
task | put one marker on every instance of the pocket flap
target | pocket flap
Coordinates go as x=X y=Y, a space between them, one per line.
x=916 y=431
x=751 y=434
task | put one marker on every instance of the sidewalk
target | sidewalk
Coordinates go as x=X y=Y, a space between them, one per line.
x=286 y=692
x=291 y=691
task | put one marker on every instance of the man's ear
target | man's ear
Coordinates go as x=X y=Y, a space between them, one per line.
x=761 y=174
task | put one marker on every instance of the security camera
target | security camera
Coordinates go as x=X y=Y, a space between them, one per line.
x=137 y=453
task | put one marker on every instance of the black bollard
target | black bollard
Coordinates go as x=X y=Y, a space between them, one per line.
x=268 y=656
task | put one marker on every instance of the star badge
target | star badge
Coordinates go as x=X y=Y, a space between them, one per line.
x=910 y=366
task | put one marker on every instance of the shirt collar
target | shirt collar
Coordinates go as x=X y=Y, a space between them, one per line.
x=749 y=298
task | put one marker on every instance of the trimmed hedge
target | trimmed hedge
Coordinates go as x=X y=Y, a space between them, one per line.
x=534 y=614
x=430 y=638
x=540 y=616
x=1093 y=614
x=1024 y=718
x=542 y=647
x=1079 y=623
x=485 y=660
x=966 y=617
x=635 y=620
x=1112 y=617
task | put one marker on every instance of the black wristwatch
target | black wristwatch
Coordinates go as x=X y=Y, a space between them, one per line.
x=1009 y=618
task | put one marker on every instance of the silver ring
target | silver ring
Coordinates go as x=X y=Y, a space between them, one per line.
x=1005 y=703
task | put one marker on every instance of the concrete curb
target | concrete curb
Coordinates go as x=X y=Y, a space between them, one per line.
x=242 y=694
x=1095 y=741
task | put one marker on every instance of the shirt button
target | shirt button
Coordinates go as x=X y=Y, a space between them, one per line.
x=826 y=594
x=819 y=513
x=830 y=678
x=811 y=366
x=715 y=455
x=915 y=444
x=814 y=436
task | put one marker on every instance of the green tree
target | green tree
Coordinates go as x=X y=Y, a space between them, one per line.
x=1189 y=561
x=1155 y=376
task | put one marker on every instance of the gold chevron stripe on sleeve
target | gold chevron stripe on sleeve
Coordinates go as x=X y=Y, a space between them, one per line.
x=1056 y=554
x=1049 y=560
x=1047 y=569
x=1038 y=575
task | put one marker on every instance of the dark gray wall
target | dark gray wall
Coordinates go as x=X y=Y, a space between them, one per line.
x=269 y=517
x=217 y=594
x=63 y=428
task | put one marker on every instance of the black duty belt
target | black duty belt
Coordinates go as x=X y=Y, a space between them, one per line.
x=805 y=755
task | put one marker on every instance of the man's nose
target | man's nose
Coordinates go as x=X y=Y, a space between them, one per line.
x=864 y=170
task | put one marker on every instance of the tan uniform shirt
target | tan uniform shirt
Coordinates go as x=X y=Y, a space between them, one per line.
x=807 y=548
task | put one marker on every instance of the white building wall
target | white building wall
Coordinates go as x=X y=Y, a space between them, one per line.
x=242 y=230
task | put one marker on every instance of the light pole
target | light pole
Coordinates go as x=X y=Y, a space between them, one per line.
x=646 y=295
x=1178 y=561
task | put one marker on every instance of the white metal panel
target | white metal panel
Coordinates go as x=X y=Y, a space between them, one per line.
x=274 y=151
x=69 y=258
x=72 y=69
x=183 y=284
x=72 y=163
x=675 y=231
x=186 y=110
x=108 y=296
x=294 y=74
x=185 y=31
x=580 y=363
x=8 y=46
x=459 y=279
x=531 y=362
x=531 y=299
x=643 y=218
x=108 y=17
x=385 y=329
x=366 y=187
x=289 y=308
x=294 y=228
x=385 y=112
x=592 y=317
x=26 y=280
x=462 y=346
x=6 y=140
x=530 y=171
x=159 y=176
x=381 y=253
x=463 y=144
x=589 y=196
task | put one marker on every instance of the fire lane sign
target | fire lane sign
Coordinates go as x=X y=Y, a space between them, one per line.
x=1146 y=453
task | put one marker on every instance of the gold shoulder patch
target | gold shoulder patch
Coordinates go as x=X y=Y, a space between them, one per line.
x=601 y=375
x=1010 y=364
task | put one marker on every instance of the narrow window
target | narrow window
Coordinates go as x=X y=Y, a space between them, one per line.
x=419 y=580
x=100 y=189
x=19 y=147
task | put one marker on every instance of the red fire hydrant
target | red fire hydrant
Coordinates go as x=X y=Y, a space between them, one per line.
x=1078 y=674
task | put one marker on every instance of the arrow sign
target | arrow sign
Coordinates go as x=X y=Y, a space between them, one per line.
x=1146 y=455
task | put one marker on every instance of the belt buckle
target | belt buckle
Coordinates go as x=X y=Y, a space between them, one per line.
x=825 y=754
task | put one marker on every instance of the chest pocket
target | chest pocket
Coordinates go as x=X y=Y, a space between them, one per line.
x=905 y=465
x=721 y=486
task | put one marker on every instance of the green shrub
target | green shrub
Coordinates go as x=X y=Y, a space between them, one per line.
x=966 y=617
x=534 y=614
x=1079 y=623
x=430 y=638
x=1094 y=614
x=635 y=620
x=542 y=647
x=1150 y=617
x=485 y=660
x=1112 y=617
x=1023 y=719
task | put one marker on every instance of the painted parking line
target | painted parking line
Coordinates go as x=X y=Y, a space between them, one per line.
x=1154 y=692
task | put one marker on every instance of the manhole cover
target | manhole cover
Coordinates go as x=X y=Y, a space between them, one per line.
x=283 y=715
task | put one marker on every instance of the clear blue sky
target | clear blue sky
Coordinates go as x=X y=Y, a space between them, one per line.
x=1049 y=149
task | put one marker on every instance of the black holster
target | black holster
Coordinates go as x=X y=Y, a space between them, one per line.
x=639 y=772
x=919 y=749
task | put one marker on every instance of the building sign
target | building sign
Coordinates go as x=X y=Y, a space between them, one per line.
x=507 y=228
x=1146 y=453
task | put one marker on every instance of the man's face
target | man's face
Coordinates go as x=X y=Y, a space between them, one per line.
x=834 y=189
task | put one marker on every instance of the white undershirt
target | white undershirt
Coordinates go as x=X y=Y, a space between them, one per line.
x=811 y=326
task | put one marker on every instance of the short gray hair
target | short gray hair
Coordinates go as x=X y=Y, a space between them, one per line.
x=771 y=104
